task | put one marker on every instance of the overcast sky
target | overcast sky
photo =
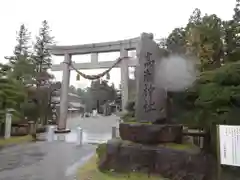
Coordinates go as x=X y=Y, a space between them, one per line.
x=91 y=21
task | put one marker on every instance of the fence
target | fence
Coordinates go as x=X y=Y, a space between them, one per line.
x=20 y=129
x=195 y=136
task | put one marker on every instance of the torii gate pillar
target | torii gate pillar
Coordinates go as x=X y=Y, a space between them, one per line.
x=62 y=121
x=124 y=78
x=67 y=51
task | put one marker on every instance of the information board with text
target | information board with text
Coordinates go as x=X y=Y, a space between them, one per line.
x=229 y=137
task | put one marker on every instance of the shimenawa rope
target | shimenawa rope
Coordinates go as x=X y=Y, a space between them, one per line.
x=94 y=77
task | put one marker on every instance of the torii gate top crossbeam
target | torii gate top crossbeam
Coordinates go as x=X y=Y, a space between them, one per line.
x=113 y=46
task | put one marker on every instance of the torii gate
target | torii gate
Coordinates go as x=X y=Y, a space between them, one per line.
x=94 y=49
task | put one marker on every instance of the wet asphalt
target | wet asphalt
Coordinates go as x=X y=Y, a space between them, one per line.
x=58 y=159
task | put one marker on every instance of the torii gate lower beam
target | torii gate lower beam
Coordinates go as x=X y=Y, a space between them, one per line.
x=93 y=49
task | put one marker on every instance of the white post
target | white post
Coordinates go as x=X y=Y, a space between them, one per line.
x=64 y=95
x=8 y=125
x=124 y=78
x=50 y=134
x=114 y=132
x=79 y=136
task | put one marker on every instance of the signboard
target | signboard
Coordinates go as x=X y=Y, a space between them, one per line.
x=229 y=137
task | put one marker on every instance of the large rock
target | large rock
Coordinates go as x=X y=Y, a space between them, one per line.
x=151 y=133
x=178 y=162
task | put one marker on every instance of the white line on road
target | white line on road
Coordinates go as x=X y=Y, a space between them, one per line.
x=71 y=170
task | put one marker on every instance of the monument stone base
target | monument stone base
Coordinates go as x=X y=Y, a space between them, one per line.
x=151 y=133
x=174 y=161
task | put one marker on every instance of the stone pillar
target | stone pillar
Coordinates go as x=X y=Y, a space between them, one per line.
x=124 y=78
x=8 y=125
x=32 y=127
x=61 y=127
x=79 y=136
x=50 y=133
x=150 y=98
x=114 y=132
x=137 y=82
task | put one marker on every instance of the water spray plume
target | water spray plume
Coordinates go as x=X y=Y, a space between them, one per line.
x=176 y=73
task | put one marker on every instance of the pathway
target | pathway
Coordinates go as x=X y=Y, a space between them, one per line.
x=56 y=160
x=95 y=129
x=99 y=124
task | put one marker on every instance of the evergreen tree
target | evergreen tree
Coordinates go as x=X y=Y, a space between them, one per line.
x=176 y=42
x=236 y=16
x=42 y=57
x=22 y=48
x=20 y=63
x=41 y=53
x=43 y=61
x=11 y=93
x=232 y=38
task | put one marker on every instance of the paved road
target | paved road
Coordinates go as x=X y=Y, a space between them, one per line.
x=42 y=161
x=99 y=124
x=56 y=160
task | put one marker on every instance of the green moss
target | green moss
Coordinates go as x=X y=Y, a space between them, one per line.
x=129 y=116
x=126 y=142
x=186 y=146
x=90 y=171
x=131 y=120
x=135 y=122
x=101 y=149
x=178 y=146
x=190 y=148
x=15 y=140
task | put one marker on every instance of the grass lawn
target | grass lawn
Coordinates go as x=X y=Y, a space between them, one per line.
x=90 y=172
x=15 y=140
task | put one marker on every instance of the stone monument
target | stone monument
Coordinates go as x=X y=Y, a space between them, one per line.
x=152 y=147
x=150 y=98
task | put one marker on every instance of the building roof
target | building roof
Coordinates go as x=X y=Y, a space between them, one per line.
x=73 y=99
x=76 y=105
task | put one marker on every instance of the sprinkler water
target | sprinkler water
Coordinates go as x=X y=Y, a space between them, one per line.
x=176 y=73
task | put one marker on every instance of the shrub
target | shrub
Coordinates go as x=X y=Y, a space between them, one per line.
x=101 y=150
x=214 y=99
x=130 y=107
x=128 y=117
